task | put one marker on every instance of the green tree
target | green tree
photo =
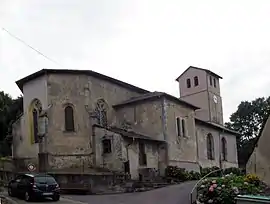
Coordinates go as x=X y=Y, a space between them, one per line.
x=248 y=120
x=10 y=109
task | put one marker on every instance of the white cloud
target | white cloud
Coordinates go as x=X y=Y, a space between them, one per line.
x=144 y=42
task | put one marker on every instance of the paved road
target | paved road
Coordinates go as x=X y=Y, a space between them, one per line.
x=45 y=201
x=175 y=194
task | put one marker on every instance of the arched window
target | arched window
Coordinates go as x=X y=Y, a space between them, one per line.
x=35 y=124
x=34 y=110
x=210 y=146
x=178 y=126
x=188 y=83
x=183 y=124
x=224 y=149
x=196 y=81
x=69 y=119
x=101 y=111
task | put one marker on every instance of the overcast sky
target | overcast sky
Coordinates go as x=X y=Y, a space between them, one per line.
x=144 y=42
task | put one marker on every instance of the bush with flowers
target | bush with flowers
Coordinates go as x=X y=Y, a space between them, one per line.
x=225 y=189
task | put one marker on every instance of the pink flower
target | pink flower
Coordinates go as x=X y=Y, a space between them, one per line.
x=214 y=185
x=211 y=189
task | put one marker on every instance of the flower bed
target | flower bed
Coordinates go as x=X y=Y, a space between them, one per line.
x=224 y=190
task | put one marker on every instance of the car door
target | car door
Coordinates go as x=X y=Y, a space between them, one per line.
x=14 y=183
x=23 y=184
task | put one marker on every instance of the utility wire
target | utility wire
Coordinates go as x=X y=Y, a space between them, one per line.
x=29 y=46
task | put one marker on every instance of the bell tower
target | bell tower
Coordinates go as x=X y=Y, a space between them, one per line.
x=201 y=87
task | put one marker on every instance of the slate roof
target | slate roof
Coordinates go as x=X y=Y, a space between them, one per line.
x=216 y=126
x=129 y=134
x=152 y=96
x=42 y=72
x=206 y=70
x=132 y=134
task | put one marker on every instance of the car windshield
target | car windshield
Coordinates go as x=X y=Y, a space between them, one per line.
x=44 y=179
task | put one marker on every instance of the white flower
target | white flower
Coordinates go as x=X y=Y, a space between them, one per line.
x=235 y=189
x=214 y=181
x=246 y=183
x=210 y=201
x=202 y=186
x=223 y=186
x=219 y=188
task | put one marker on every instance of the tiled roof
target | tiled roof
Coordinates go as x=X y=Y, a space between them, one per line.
x=206 y=70
x=154 y=95
x=216 y=126
x=42 y=72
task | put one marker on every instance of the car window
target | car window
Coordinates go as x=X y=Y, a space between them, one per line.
x=26 y=179
x=44 y=179
x=18 y=178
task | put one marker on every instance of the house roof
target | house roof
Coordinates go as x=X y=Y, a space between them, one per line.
x=42 y=72
x=133 y=135
x=206 y=70
x=216 y=126
x=152 y=96
x=129 y=134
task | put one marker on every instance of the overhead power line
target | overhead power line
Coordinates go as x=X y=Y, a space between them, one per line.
x=29 y=46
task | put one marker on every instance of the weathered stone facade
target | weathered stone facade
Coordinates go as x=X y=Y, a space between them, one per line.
x=259 y=161
x=132 y=120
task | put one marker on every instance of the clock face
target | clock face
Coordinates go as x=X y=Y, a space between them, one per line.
x=215 y=99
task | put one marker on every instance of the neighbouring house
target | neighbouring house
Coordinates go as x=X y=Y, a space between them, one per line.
x=95 y=121
x=259 y=161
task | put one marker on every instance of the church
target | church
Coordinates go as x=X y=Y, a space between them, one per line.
x=98 y=122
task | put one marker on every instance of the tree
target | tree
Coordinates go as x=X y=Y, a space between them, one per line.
x=248 y=120
x=10 y=109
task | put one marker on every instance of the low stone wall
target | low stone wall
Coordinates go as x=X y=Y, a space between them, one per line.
x=78 y=163
x=88 y=182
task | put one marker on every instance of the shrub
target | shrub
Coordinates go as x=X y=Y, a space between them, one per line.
x=234 y=170
x=225 y=189
x=207 y=170
x=181 y=174
x=252 y=179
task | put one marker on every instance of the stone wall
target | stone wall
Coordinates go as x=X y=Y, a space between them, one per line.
x=83 y=94
x=144 y=117
x=181 y=149
x=259 y=161
x=202 y=132
x=71 y=163
x=125 y=149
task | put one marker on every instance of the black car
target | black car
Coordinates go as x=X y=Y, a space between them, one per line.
x=31 y=186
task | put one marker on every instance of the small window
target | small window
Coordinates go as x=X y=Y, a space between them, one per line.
x=224 y=149
x=107 y=147
x=196 y=81
x=188 y=83
x=142 y=154
x=215 y=83
x=178 y=126
x=183 y=127
x=69 y=119
x=211 y=81
x=210 y=146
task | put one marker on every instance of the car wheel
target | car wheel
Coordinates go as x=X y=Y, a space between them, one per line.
x=56 y=197
x=10 y=192
x=27 y=196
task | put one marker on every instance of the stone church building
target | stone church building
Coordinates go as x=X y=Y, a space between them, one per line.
x=98 y=122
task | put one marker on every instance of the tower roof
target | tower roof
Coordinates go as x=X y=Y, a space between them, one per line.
x=206 y=70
